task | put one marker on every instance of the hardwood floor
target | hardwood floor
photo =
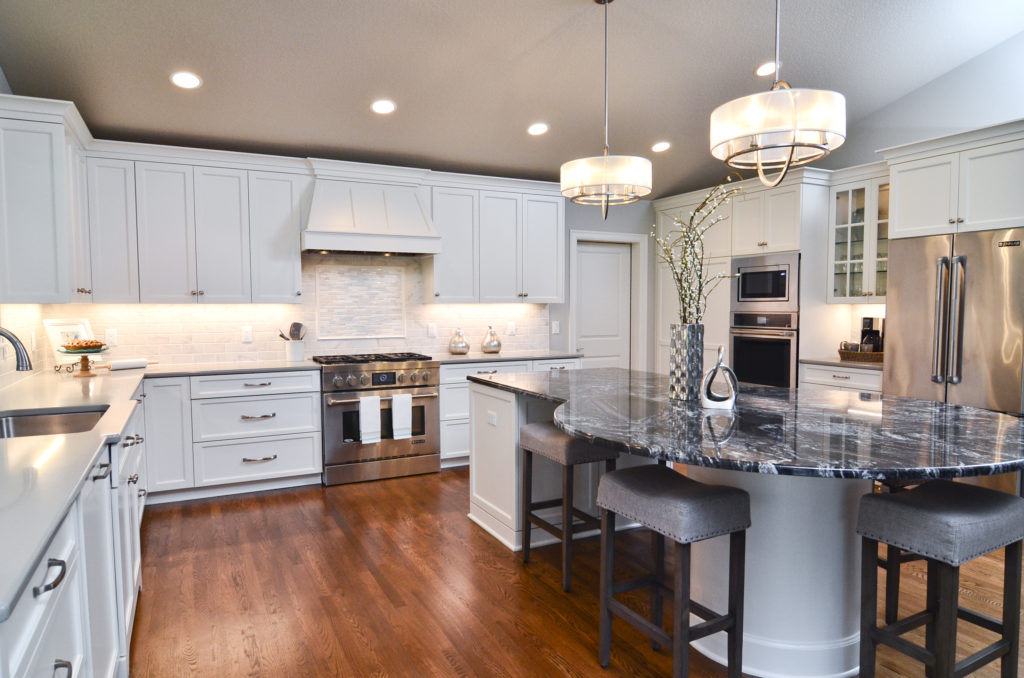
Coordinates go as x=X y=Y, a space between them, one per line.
x=391 y=579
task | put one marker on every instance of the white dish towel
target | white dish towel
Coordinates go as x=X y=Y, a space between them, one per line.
x=369 y=419
x=401 y=415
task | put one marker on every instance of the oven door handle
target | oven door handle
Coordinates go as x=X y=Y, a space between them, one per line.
x=331 y=402
x=762 y=333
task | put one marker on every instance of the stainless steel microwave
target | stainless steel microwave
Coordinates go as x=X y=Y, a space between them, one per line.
x=769 y=282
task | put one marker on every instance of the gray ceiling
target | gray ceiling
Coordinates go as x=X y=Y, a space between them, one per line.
x=297 y=77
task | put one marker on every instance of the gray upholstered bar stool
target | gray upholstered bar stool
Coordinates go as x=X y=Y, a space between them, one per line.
x=949 y=524
x=685 y=511
x=545 y=439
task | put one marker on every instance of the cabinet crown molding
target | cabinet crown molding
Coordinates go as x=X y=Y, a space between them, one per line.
x=807 y=176
x=952 y=143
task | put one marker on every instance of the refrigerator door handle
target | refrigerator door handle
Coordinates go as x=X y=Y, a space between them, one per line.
x=956 y=321
x=938 y=355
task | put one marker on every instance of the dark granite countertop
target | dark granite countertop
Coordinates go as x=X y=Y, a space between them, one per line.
x=820 y=432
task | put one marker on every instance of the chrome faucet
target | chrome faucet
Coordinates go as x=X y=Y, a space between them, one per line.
x=20 y=353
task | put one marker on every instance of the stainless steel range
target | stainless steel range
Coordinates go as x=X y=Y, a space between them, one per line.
x=346 y=379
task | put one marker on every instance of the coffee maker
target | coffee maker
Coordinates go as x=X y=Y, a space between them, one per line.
x=872 y=335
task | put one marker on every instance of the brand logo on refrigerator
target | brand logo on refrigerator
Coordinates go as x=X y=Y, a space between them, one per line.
x=1009 y=243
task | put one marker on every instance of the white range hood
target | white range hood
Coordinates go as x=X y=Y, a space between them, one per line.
x=351 y=216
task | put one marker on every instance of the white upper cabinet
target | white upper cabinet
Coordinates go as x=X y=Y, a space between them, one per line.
x=81 y=262
x=165 y=206
x=34 y=224
x=965 y=182
x=275 y=221
x=456 y=218
x=766 y=221
x=858 y=242
x=113 y=244
x=222 y=235
x=542 y=251
x=500 y=217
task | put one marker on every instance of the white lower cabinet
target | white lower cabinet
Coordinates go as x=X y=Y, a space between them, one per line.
x=236 y=461
x=169 y=424
x=454 y=399
x=843 y=378
x=96 y=501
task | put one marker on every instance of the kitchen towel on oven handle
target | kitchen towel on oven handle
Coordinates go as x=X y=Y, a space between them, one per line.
x=369 y=419
x=401 y=415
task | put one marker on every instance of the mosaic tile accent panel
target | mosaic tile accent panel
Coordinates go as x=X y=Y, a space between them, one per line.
x=355 y=302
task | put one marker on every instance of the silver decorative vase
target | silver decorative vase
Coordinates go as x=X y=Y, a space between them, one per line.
x=458 y=345
x=491 y=343
x=686 y=361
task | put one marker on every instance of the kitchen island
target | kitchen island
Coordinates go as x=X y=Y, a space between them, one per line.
x=805 y=458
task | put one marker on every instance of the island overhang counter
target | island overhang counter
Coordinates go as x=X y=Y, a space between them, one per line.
x=805 y=457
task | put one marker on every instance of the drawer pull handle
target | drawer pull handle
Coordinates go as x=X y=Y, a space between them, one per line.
x=762 y=243
x=250 y=460
x=139 y=440
x=104 y=473
x=143 y=492
x=844 y=377
x=259 y=385
x=262 y=417
x=133 y=478
x=129 y=441
x=63 y=664
x=557 y=368
x=331 y=402
x=52 y=562
x=487 y=371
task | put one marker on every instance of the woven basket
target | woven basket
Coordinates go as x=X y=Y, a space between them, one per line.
x=858 y=357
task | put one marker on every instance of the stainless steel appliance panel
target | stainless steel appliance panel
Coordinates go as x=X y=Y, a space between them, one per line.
x=341 y=427
x=916 y=302
x=769 y=282
x=986 y=343
x=764 y=356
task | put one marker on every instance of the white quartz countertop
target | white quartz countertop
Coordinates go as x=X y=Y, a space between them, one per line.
x=190 y=369
x=478 y=357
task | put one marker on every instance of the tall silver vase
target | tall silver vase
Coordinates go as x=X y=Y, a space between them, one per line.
x=686 y=361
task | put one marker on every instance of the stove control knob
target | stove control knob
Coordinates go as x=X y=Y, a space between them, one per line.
x=339 y=382
x=364 y=379
x=426 y=377
x=400 y=378
x=413 y=377
x=351 y=380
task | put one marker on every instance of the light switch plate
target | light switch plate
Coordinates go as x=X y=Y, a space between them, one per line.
x=110 y=337
x=510 y=328
x=431 y=329
x=247 y=334
x=556 y=327
x=492 y=418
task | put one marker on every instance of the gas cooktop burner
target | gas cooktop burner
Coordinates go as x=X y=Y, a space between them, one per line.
x=370 y=358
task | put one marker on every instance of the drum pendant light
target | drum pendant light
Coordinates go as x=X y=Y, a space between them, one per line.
x=606 y=179
x=778 y=129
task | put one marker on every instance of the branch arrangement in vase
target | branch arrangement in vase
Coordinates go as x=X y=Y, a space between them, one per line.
x=682 y=250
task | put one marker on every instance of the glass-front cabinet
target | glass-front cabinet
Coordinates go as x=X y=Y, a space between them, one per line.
x=859 y=242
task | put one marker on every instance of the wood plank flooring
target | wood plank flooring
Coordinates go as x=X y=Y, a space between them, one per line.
x=391 y=578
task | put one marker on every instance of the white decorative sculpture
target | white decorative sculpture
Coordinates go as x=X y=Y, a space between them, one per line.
x=715 y=401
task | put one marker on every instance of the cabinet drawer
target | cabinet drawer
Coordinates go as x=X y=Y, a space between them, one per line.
x=451 y=374
x=61 y=638
x=236 y=461
x=218 y=418
x=454 y=401
x=555 y=365
x=843 y=377
x=255 y=383
x=21 y=630
x=454 y=439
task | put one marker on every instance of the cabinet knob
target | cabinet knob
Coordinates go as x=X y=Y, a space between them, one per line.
x=952 y=220
x=959 y=220
x=762 y=243
x=437 y=294
x=299 y=293
x=194 y=293
x=201 y=293
x=526 y=294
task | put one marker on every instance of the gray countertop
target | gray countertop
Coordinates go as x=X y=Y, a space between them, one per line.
x=821 y=432
x=478 y=357
x=835 y=362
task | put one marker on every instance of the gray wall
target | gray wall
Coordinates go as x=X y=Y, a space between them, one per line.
x=635 y=218
x=987 y=90
x=4 y=87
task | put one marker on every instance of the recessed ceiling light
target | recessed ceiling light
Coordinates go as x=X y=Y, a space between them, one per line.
x=661 y=146
x=537 y=128
x=186 y=80
x=383 y=106
x=765 y=69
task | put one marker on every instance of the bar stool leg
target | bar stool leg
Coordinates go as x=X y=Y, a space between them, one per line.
x=868 y=604
x=567 y=502
x=737 y=558
x=604 y=653
x=657 y=597
x=526 y=499
x=892 y=584
x=932 y=602
x=945 y=620
x=681 y=630
x=1011 y=609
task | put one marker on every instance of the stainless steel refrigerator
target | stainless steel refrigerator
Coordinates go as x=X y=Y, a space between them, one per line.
x=955 y=319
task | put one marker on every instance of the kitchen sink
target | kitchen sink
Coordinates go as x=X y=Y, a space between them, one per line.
x=48 y=422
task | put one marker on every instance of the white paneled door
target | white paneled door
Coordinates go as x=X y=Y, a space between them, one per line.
x=601 y=317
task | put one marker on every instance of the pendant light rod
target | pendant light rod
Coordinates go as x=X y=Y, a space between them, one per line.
x=778 y=31
x=606 y=3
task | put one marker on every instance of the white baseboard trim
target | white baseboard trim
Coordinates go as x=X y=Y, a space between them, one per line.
x=228 y=490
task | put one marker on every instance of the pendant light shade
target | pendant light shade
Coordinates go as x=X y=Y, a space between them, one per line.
x=778 y=129
x=611 y=179
x=606 y=179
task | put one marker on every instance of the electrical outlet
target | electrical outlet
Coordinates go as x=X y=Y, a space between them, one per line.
x=247 y=334
x=555 y=327
x=110 y=336
x=431 y=329
x=510 y=328
x=492 y=418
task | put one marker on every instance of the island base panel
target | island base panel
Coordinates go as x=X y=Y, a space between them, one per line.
x=802 y=606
